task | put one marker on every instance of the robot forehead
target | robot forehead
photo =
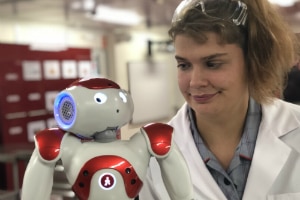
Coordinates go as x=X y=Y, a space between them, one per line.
x=95 y=83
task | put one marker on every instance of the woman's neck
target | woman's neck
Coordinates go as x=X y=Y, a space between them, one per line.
x=219 y=131
x=222 y=133
x=227 y=125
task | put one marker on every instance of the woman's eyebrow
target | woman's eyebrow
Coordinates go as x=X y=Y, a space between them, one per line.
x=204 y=58
x=214 y=56
x=179 y=58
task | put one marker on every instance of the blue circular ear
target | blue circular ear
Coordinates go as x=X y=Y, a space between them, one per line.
x=64 y=110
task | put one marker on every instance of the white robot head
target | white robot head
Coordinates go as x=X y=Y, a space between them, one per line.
x=90 y=106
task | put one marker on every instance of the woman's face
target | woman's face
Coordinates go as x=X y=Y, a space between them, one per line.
x=211 y=76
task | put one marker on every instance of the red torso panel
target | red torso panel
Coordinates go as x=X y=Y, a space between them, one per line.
x=132 y=183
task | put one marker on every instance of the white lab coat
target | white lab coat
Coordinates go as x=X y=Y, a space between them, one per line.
x=275 y=168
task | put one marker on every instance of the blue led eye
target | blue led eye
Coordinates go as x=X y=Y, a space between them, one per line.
x=100 y=98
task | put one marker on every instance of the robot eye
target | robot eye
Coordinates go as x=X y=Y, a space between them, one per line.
x=100 y=98
x=123 y=97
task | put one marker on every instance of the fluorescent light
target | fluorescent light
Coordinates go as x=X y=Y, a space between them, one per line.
x=83 y=4
x=88 y=4
x=116 y=16
x=47 y=47
x=283 y=3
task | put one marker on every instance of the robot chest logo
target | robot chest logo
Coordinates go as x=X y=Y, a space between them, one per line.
x=107 y=181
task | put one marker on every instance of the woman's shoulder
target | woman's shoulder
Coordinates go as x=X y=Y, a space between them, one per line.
x=291 y=105
x=293 y=108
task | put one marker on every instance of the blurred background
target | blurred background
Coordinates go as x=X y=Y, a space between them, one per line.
x=47 y=44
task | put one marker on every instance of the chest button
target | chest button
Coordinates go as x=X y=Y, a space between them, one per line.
x=226 y=181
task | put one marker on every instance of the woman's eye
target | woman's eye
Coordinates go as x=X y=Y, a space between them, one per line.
x=214 y=64
x=183 y=66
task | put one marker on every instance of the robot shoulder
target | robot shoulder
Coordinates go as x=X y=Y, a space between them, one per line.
x=48 y=143
x=159 y=138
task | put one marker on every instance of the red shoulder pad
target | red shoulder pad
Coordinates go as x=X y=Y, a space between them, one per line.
x=48 y=142
x=160 y=137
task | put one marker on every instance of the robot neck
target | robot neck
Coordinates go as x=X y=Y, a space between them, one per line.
x=109 y=135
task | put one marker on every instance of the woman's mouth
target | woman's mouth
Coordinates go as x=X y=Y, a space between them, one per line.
x=204 y=98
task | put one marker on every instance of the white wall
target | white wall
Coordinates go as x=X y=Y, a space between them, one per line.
x=28 y=32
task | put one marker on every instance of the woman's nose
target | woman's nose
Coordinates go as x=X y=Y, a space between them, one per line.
x=198 y=78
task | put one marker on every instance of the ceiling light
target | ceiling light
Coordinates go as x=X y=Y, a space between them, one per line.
x=116 y=16
x=283 y=3
x=83 y=4
x=88 y=4
x=47 y=47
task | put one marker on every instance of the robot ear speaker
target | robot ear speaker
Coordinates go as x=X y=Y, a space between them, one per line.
x=64 y=111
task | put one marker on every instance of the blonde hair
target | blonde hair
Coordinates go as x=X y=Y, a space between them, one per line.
x=266 y=39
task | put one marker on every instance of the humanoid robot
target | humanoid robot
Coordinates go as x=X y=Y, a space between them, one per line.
x=98 y=165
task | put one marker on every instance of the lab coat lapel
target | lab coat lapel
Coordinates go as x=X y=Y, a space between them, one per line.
x=270 y=153
x=203 y=182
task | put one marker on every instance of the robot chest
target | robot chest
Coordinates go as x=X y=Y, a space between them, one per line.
x=107 y=174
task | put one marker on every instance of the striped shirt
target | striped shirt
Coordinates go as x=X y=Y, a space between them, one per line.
x=233 y=180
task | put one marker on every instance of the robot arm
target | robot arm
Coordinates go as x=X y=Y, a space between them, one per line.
x=38 y=178
x=176 y=175
x=174 y=170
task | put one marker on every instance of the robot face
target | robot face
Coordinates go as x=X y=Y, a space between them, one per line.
x=86 y=111
x=101 y=98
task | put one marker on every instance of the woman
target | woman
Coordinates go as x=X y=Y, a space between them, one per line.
x=239 y=140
